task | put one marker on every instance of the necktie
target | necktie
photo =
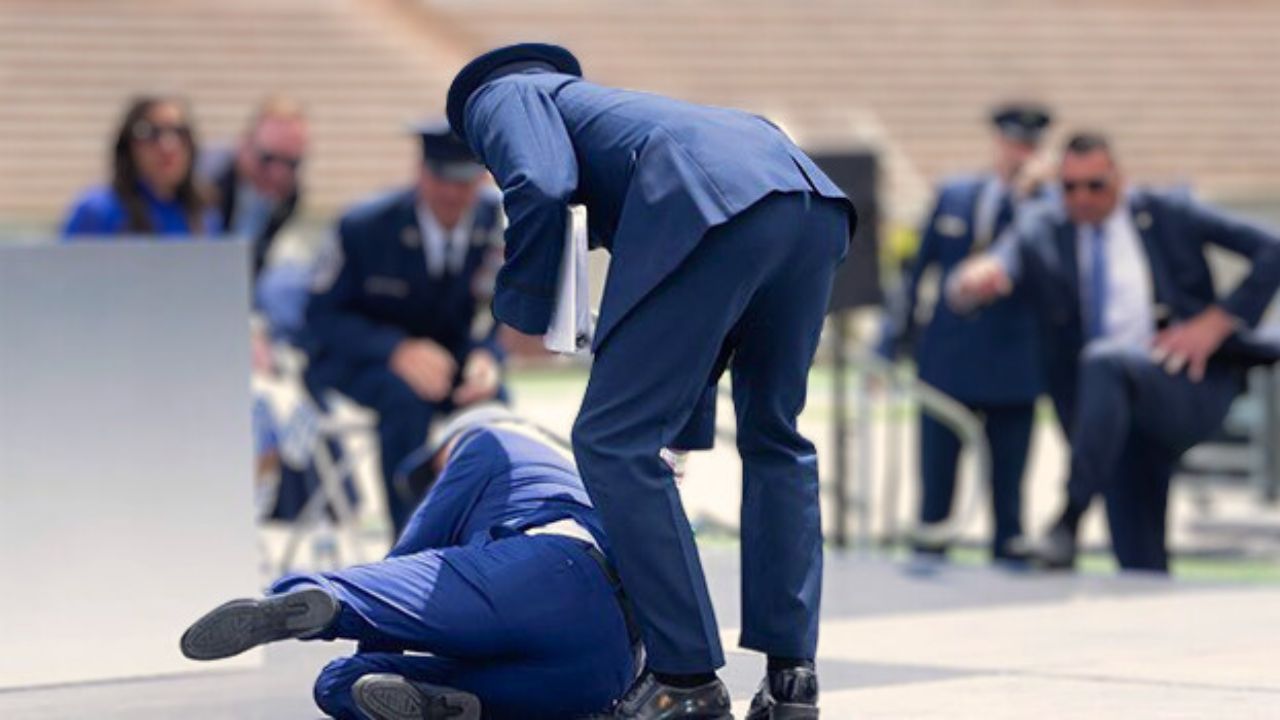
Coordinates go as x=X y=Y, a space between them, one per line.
x=1096 y=325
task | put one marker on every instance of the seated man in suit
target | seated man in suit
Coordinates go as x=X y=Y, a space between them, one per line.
x=390 y=319
x=502 y=576
x=1143 y=356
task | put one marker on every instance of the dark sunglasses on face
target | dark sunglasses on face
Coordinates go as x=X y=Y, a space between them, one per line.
x=289 y=162
x=1093 y=185
x=147 y=131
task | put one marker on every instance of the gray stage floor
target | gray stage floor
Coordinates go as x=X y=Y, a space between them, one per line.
x=898 y=641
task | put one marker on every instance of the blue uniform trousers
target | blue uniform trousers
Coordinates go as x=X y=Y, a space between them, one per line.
x=1008 y=431
x=757 y=287
x=529 y=624
x=1133 y=421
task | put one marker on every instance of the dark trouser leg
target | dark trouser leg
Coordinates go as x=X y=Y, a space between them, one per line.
x=1137 y=506
x=1126 y=403
x=533 y=621
x=403 y=421
x=1009 y=435
x=647 y=379
x=939 y=452
x=781 y=518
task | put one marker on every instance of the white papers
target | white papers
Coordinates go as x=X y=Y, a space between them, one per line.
x=572 y=324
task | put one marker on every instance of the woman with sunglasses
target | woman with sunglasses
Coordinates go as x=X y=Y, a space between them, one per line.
x=152 y=189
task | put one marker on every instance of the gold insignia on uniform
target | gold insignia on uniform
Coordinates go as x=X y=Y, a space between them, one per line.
x=950 y=226
x=410 y=237
x=1143 y=220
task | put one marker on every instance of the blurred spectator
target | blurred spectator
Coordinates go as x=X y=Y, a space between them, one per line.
x=153 y=190
x=988 y=360
x=390 y=321
x=1143 y=357
x=256 y=185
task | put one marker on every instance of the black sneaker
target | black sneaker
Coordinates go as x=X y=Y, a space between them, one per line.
x=649 y=699
x=243 y=624
x=790 y=694
x=391 y=697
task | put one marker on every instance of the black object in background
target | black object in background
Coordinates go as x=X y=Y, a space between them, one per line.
x=858 y=280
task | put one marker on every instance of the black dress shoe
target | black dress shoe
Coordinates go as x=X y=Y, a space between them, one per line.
x=790 y=694
x=391 y=697
x=1057 y=551
x=243 y=624
x=649 y=699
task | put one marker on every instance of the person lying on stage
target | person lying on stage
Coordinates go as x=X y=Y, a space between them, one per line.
x=500 y=587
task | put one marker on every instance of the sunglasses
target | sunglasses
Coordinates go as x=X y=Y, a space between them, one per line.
x=288 y=162
x=1093 y=185
x=147 y=131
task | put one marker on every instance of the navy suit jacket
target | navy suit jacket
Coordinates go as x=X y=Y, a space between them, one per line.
x=499 y=481
x=376 y=290
x=654 y=174
x=991 y=355
x=1175 y=231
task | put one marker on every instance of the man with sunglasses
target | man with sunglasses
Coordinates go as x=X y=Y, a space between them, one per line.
x=257 y=187
x=988 y=360
x=392 y=318
x=1143 y=357
x=498 y=599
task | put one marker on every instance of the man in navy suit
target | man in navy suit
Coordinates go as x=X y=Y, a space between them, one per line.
x=390 y=319
x=724 y=239
x=501 y=579
x=1143 y=356
x=988 y=359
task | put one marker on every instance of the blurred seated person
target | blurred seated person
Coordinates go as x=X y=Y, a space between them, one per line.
x=501 y=586
x=390 y=319
x=153 y=190
x=1143 y=357
x=256 y=185
x=989 y=359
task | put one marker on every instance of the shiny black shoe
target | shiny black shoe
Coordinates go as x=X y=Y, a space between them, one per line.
x=1057 y=550
x=391 y=697
x=239 y=625
x=790 y=694
x=649 y=699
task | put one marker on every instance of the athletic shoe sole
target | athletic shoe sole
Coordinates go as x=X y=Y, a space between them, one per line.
x=391 y=697
x=243 y=624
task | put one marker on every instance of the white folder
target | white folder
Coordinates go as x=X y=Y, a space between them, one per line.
x=572 y=321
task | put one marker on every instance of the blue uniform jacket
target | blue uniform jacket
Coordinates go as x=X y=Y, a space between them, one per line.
x=376 y=291
x=989 y=356
x=654 y=174
x=499 y=481
x=1041 y=255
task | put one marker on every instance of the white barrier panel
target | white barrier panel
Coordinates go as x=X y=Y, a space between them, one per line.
x=125 y=454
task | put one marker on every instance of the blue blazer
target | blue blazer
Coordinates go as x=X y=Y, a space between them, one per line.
x=654 y=174
x=1175 y=231
x=990 y=356
x=498 y=482
x=376 y=291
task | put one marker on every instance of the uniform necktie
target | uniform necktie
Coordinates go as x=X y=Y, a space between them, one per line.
x=1096 y=325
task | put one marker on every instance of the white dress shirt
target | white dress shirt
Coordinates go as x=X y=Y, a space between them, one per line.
x=1128 y=319
x=445 y=250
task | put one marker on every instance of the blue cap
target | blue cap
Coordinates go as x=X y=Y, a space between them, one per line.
x=445 y=153
x=503 y=61
x=1022 y=121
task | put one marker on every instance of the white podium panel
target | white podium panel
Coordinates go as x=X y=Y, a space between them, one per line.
x=126 y=504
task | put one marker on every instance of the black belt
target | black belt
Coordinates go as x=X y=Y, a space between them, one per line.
x=628 y=615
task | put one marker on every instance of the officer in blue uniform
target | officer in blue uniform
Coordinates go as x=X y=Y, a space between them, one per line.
x=390 y=319
x=724 y=239
x=989 y=360
x=502 y=576
x=1143 y=355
